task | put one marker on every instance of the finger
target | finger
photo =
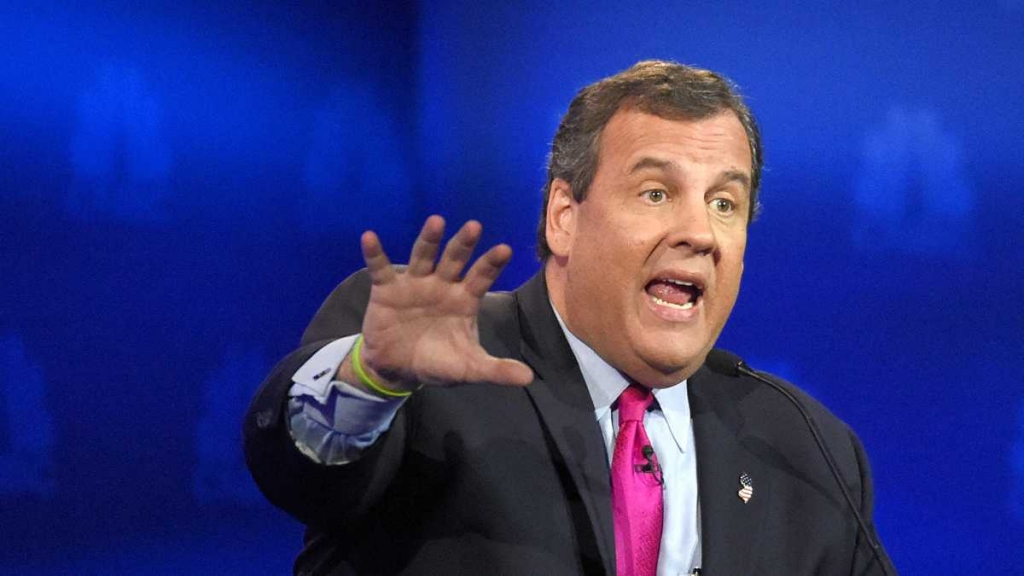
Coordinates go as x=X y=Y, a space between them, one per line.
x=376 y=260
x=424 y=250
x=458 y=250
x=503 y=371
x=486 y=270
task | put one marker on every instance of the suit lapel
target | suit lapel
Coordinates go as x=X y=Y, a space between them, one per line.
x=563 y=403
x=730 y=529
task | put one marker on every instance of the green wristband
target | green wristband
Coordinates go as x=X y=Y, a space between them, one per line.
x=364 y=378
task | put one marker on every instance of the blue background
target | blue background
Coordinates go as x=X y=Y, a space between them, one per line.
x=182 y=184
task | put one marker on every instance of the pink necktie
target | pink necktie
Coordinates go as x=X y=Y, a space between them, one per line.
x=636 y=489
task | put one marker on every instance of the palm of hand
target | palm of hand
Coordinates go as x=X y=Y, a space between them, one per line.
x=420 y=327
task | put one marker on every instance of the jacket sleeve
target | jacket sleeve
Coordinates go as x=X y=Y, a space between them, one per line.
x=326 y=497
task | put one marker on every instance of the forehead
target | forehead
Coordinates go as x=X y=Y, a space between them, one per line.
x=631 y=135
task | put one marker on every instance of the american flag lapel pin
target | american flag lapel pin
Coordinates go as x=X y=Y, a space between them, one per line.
x=746 y=487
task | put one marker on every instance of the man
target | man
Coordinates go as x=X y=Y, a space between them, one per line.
x=570 y=427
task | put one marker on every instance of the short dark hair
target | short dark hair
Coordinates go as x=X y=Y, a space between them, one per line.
x=666 y=89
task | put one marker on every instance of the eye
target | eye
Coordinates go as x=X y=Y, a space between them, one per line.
x=723 y=205
x=655 y=196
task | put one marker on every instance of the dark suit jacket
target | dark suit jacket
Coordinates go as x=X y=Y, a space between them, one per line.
x=483 y=479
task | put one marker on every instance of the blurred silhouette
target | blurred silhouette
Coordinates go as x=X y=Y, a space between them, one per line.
x=119 y=154
x=26 y=434
x=220 y=474
x=913 y=193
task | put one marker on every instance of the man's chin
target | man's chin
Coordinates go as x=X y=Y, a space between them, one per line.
x=668 y=368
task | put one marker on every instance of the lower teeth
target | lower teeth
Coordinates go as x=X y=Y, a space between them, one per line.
x=661 y=302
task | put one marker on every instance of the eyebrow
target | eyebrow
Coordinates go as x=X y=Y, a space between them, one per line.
x=648 y=162
x=735 y=176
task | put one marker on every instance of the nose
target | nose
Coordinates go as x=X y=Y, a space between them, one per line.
x=692 y=228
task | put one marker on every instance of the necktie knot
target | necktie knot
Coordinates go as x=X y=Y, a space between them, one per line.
x=633 y=402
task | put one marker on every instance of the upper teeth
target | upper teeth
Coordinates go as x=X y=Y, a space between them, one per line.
x=679 y=282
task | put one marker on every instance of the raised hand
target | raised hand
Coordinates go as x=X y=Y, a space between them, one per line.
x=420 y=327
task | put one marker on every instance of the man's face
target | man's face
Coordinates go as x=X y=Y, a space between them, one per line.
x=652 y=258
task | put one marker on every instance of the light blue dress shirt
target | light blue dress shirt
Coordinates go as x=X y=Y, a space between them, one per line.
x=332 y=422
x=670 y=429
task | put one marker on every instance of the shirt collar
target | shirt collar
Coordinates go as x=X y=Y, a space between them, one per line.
x=605 y=384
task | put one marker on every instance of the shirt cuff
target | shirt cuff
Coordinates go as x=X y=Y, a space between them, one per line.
x=340 y=405
x=331 y=421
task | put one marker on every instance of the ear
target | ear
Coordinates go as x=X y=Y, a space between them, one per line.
x=560 y=228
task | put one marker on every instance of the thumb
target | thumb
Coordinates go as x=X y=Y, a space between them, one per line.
x=504 y=371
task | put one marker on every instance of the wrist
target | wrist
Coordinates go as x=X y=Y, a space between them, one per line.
x=358 y=372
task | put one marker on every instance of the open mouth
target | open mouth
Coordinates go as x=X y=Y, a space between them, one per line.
x=672 y=293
